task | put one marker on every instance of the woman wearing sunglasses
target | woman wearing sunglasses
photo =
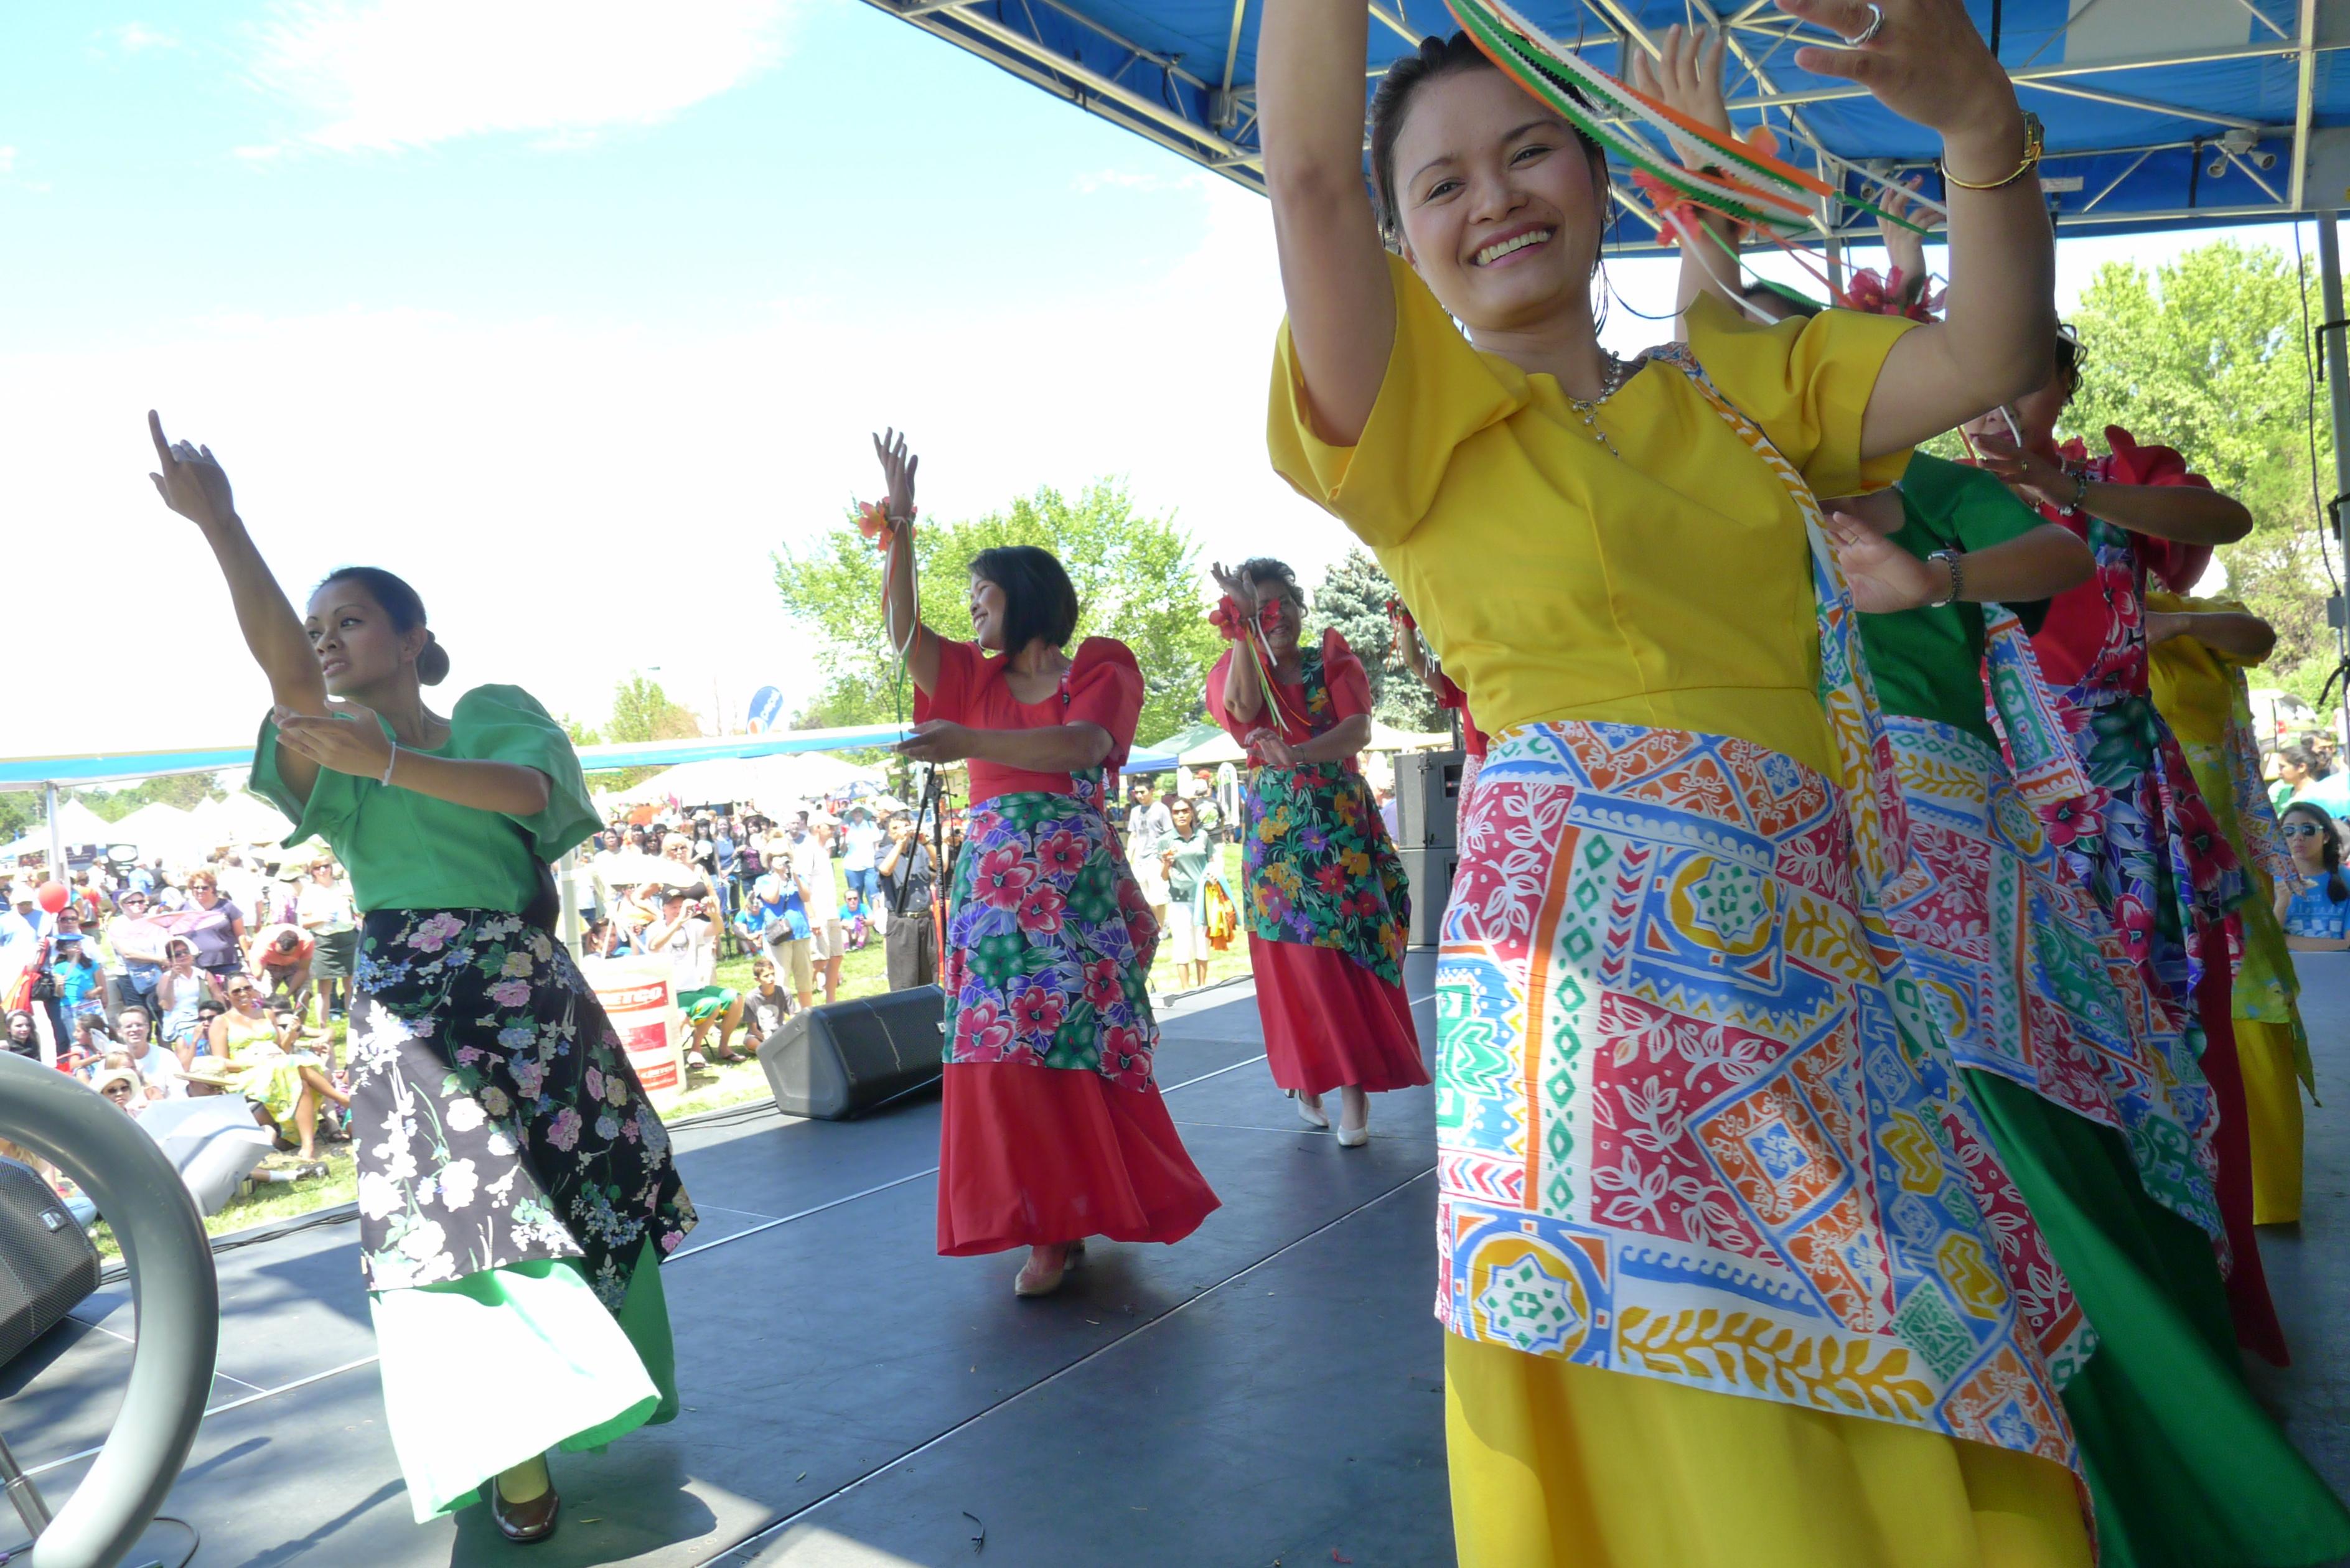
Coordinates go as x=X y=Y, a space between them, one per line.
x=285 y=1085
x=516 y=1189
x=2313 y=903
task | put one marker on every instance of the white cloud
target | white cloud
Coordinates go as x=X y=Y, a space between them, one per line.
x=8 y=160
x=394 y=74
x=135 y=38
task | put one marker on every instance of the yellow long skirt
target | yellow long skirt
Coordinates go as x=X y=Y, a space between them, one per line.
x=2271 y=1120
x=1558 y=1466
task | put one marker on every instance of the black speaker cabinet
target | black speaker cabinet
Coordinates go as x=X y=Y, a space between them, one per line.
x=1430 y=871
x=47 y=1266
x=847 y=1058
x=1428 y=799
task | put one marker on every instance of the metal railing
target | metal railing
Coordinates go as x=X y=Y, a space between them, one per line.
x=163 y=1244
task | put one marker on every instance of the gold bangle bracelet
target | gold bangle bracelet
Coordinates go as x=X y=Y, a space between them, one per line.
x=2035 y=138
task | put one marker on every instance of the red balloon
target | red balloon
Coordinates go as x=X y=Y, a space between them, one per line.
x=53 y=896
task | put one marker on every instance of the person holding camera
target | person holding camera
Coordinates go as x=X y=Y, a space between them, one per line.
x=908 y=874
x=686 y=936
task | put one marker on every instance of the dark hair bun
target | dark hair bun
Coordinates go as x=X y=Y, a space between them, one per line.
x=432 y=664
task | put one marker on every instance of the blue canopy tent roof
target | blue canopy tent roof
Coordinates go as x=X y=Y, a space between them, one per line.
x=112 y=767
x=2158 y=112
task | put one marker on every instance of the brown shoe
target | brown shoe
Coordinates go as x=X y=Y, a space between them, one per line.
x=525 y=1521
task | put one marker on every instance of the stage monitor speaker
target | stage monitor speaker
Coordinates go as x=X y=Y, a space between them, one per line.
x=845 y=1058
x=47 y=1266
x=1430 y=871
x=1428 y=799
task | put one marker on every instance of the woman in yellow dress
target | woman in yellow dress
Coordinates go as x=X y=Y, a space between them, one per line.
x=1730 y=1275
x=2198 y=651
x=287 y=1085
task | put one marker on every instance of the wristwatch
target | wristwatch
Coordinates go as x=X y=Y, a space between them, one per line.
x=1957 y=565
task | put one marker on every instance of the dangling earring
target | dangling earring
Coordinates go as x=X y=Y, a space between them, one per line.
x=1606 y=294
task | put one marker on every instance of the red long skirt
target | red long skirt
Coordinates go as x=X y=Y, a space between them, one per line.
x=1329 y=1022
x=2257 y=1328
x=1030 y=1157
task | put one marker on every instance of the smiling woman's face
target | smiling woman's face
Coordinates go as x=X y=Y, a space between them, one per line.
x=1501 y=203
x=987 y=607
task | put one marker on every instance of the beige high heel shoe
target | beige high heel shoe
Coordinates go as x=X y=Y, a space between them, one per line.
x=1033 y=1281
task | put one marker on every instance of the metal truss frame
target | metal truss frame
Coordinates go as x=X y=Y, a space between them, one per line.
x=1137 y=94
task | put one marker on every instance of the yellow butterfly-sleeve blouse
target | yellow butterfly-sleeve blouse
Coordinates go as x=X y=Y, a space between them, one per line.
x=1665 y=582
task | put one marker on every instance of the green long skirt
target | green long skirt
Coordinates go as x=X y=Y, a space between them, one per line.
x=482 y=1373
x=2185 y=1467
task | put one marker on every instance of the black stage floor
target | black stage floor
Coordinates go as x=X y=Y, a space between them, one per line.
x=1267 y=1392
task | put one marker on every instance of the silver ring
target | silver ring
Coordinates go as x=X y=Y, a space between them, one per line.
x=1876 y=26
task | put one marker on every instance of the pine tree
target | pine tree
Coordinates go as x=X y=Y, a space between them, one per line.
x=1354 y=597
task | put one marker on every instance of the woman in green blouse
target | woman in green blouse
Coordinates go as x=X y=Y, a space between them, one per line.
x=515 y=1187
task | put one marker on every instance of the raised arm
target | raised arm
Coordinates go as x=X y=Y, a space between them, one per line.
x=2188 y=514
x=1243 y=692
x=2243 y=637
x=900 y=606
x=1686 y=76
x=1928 y=63
x=1333 y=271
x=193 y=484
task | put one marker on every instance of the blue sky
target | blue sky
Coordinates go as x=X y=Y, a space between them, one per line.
x=572 y=318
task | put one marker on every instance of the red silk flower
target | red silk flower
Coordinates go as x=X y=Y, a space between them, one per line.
x=1883 y=296
x=873 y=522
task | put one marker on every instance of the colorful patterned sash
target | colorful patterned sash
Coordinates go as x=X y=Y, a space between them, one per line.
x=2023 y=975
x=1049 y=941
x=1320 y=869
x=1687 y=1127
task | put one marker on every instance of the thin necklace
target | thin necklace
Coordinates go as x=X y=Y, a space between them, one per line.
x=1610 y=379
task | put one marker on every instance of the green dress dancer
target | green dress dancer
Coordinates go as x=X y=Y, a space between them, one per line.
x=2185 y=1469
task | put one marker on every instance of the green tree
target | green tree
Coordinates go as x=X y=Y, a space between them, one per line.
x=1137 y=576
x=1353 y=597
x=641 y=710
x=2207 y=354
x=184 y=791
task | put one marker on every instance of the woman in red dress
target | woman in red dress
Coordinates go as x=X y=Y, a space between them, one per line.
x=1054 y=1130
x=1328 y=902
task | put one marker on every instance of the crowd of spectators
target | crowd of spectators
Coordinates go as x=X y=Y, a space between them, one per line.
x=798 y=894
x=155 y=984
x=224 y=976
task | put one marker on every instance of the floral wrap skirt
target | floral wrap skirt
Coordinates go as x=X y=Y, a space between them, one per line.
x=2144 y=841
x=495 y=1117
x=1048 y=943
x=1684 y=1129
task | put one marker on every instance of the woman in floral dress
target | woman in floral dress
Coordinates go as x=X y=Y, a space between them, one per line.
x=1327 y=901
x=1054 y=1130
x=515 y=1188
x=2139 y=832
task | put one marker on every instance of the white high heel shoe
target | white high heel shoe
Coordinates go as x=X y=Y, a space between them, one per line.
x=1311 y=1113
x=1352 y=1137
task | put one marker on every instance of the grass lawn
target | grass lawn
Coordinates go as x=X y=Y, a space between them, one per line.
x=721 y=1085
